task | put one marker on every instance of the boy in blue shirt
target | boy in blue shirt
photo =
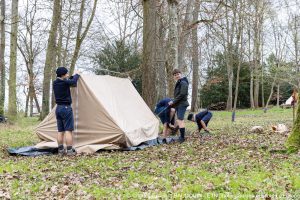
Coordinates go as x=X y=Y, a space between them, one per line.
x=166 y=115
x=64 y=112
x=202 y=119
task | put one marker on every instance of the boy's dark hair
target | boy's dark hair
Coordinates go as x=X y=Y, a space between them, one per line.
x=190 y=117
x=175 y=71
x=60 y=71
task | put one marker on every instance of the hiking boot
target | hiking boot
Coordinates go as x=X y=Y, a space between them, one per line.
x=71 y=152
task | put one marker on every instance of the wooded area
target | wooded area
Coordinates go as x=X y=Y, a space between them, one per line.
x=240 y=57
x=243 y=53
x=251 y=47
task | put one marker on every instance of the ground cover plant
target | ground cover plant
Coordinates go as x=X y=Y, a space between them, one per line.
x=231 y=164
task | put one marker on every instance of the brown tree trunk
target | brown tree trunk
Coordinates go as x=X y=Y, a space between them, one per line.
x=172 y=58
x=240 y=56
x=50 y=58
x=160 y=53
x=278 y=95
x=53 y=77
x=36 y=102
x=148 y=65
x=271 y=92
x=2 y=52
x=250 y=65
x=195 y=58
x=257 y=41
x=262 y=79
x=230 y=28
x=12 y=99
x=184 y=35
x=31 y=88
x=68 y=37
x=26 y=104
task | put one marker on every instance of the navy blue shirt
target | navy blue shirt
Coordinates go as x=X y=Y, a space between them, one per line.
x=162 y=104
x=61 y=88
x=163 y=110
x=205 y=116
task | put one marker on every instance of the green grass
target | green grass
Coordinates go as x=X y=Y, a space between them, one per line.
x=232 y=164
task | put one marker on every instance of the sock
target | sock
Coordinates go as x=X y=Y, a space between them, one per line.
x=60 y=147
x=182 y=132
x=69 y=147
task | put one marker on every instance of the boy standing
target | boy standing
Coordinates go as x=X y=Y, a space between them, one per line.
x=64 y=112
x=180 y=100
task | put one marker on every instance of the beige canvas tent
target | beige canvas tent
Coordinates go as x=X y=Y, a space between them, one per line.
x=108 y=113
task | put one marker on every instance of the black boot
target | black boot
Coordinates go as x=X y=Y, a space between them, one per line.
x=182 y=133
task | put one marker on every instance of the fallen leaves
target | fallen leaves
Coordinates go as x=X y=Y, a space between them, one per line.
x=4 y=194
x=231 y=161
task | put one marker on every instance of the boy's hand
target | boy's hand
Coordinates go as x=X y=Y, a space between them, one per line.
x=170 y=103
x=77 y=72
x=207 y=130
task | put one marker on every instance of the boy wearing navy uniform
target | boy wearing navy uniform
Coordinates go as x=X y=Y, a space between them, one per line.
x=180 y=100
x=64 y=112
x=202 y=119
x=166 y=115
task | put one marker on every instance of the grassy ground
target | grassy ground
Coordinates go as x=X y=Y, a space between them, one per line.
x=232 y=164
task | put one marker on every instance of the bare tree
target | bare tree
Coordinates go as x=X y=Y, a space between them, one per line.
x=148 y=65
x=240 y=47
x=184 y=34
x=81 y=35
x=259 y=7
x=172 y=57
x=50 y=58
x=30 y=46
x=195 y=57
x=160 y=46
x=230 y=28
x=280 y=42
x=12 y=99
x=2 y=52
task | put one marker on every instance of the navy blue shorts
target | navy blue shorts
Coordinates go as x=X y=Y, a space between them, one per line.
x=64 y=118
x=207 y=117
x=164 y=114
x=180 y=110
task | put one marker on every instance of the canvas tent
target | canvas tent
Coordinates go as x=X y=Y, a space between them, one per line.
x=108 y=113
x=289 y=101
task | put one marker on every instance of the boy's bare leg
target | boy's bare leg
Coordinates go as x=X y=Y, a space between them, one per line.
x=180 y=123
x=172 y=114
x=204 y=126
x=69 y=138
x=165 y=130
x=60 y=142
x=60 y=138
